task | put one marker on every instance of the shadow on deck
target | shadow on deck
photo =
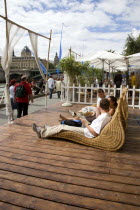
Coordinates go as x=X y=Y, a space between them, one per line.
x=51 y=174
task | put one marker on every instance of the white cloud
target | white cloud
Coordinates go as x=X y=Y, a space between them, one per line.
x=135 y=32
x=92 y=25
x=115 y=7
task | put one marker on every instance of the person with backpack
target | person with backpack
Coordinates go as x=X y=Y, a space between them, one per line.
x=23 y=94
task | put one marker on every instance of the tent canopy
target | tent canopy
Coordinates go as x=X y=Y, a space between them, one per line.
x=108 y=58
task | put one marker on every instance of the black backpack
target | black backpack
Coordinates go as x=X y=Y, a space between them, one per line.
x=76 y=123
x=20 y=91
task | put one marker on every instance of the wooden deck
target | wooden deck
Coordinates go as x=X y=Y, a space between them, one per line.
x=58 y=174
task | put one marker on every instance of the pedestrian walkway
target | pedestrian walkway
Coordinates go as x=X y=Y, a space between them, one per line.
x=38 y=104
x=59 y=174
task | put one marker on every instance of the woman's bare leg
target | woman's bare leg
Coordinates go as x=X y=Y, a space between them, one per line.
x=71 y=118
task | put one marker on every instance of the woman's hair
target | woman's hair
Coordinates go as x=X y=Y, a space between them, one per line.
x=12 y=82
x=100 y=90
x=114 y=99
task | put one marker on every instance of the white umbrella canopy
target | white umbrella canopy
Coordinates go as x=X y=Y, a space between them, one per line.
x=102 y=55
x=136 y=55
x=107 y=61
x=108 y=58
x=134 y=59
x=121 y=68
x=113 y=64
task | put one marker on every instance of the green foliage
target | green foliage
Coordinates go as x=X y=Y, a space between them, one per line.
x=71 y=67
x=51 y=66
x=132 y=45
x=78 y=71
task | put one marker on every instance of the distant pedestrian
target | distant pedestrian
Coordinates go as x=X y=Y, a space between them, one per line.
x=100 y=83
x=118 y=82
x=133 y=80
x=41 y=87
x=58 y=87
x=23 y=95
x=118 y=79
x=12 y=97
x=63 y=84
x=51 y=85
x=34 y=87
x=96 y=82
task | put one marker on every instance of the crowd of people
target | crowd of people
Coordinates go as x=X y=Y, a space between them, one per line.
x=22 y=103
x=89 y=121
x=28 y=89
x=119 y=79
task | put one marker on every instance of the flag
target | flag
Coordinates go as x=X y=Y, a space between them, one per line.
x=42 y=67
x=60 y=53
x=60 y=50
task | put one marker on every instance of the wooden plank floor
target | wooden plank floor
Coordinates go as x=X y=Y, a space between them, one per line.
x=58 y=174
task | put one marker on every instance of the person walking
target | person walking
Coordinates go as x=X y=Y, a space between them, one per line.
x=23 y=94
x=58 y=87
x=51 y=85
x=12 y=97
x=118 y=82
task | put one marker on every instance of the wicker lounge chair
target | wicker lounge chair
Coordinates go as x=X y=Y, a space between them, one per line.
x=112 y=136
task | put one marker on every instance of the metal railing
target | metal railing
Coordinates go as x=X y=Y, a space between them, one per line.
x=2 y=95
x=88 y=94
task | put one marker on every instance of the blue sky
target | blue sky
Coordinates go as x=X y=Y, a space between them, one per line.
x=92 y=25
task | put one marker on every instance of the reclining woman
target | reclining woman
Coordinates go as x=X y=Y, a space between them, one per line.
x=87 y=110
x=75 y=121
x=89 y=131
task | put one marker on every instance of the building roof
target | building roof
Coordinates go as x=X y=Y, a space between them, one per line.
x=26 y=49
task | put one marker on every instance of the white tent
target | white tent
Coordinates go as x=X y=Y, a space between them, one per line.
x=134 y=59
x=121 y=68
x=105 y=60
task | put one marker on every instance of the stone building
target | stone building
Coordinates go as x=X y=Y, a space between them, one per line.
x=26 y=64
x=26 y=60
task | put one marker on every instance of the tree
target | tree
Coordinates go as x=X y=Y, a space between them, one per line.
x=51 y=66
x=132 y=45
x=71 y=67
x=78 y=71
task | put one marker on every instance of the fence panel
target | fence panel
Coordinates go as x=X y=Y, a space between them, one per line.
x=88 y=94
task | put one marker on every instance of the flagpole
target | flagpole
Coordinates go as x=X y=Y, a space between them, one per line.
x=46 y=86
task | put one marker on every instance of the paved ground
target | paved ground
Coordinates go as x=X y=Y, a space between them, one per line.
x=38 y=104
